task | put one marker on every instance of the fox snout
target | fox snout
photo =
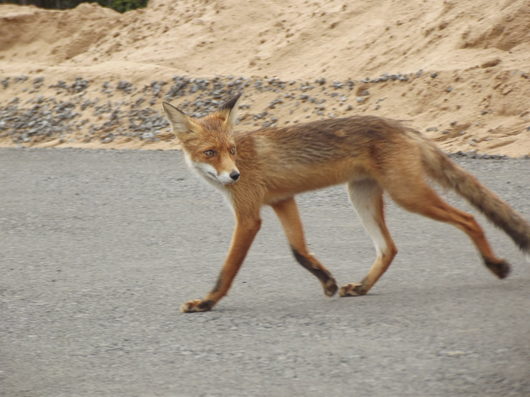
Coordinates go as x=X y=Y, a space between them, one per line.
x=228 y=178
x=210 y=172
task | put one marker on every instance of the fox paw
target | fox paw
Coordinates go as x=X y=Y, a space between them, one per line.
x=352 y=289
x=197 y=305
x=330 y=287
x=500 y=268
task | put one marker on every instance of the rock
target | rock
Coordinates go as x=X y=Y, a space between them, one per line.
x=260 y=115
x=107 y=139
x=490 y=63
x=147 y=135
x=306 y=87
x=79 y=85
x=124 y=86
x=105 y=88
x=274 y=102
x=37 y=82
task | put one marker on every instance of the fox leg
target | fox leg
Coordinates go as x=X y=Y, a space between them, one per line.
x=422 y=199
x=287 y=212
x=246 y=229
x=367 y=199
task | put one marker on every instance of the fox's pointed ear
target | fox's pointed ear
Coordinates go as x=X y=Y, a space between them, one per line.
x=228 y=110
x=180 y=122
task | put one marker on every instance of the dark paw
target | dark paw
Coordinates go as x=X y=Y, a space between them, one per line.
x=330 y=287
x=352 y=289
x=500 y=268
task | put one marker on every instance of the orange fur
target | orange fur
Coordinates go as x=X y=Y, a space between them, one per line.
x=371 y=154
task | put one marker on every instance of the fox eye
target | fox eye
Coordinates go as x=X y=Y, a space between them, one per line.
x=233 y=150
x=209 y=153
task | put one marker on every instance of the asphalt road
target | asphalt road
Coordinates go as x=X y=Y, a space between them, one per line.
x=99 y=249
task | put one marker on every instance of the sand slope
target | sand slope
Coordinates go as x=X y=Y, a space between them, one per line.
x=457 y=70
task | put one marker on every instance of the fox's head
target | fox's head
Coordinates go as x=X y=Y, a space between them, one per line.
x=208 y=144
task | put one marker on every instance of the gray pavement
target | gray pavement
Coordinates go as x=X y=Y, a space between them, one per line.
x=99 y=249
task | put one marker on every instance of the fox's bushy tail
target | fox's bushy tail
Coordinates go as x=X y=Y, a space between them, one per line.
x=448 y=174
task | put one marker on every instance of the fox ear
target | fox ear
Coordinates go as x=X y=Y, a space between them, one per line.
x=228 y=111
x=180 y=122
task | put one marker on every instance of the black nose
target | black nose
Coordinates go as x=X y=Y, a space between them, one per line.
x=234 y=175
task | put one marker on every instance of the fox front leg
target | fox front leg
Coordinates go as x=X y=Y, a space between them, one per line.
x=287 y=212
x=244 y=233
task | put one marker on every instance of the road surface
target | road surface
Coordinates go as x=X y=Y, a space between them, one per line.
x=99 y=249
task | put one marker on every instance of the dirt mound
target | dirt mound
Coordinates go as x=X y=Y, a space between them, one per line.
x=458 y=70
x=506 y=31
x=29 y=34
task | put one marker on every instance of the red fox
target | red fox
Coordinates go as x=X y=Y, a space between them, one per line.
x=371 y=154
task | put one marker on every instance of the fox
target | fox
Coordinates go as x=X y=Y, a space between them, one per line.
x=371 y=155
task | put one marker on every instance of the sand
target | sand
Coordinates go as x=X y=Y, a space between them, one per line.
x=91 y=77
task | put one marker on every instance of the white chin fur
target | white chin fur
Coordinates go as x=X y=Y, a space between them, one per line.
x=208 y=172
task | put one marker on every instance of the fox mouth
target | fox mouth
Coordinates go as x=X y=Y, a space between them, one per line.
x=215 y=178
x=212 y=176
x=209 y=173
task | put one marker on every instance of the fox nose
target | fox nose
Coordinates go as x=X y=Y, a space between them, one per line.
x=234 y=175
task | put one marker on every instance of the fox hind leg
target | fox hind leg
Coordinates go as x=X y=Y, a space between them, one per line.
x=287 y=212
x=420 y=198
x=367 y=199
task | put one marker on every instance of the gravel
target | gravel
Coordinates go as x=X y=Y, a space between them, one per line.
x=77 y=111
x=130 y=111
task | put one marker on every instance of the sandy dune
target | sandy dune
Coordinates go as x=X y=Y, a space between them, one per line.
x=459 y=71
